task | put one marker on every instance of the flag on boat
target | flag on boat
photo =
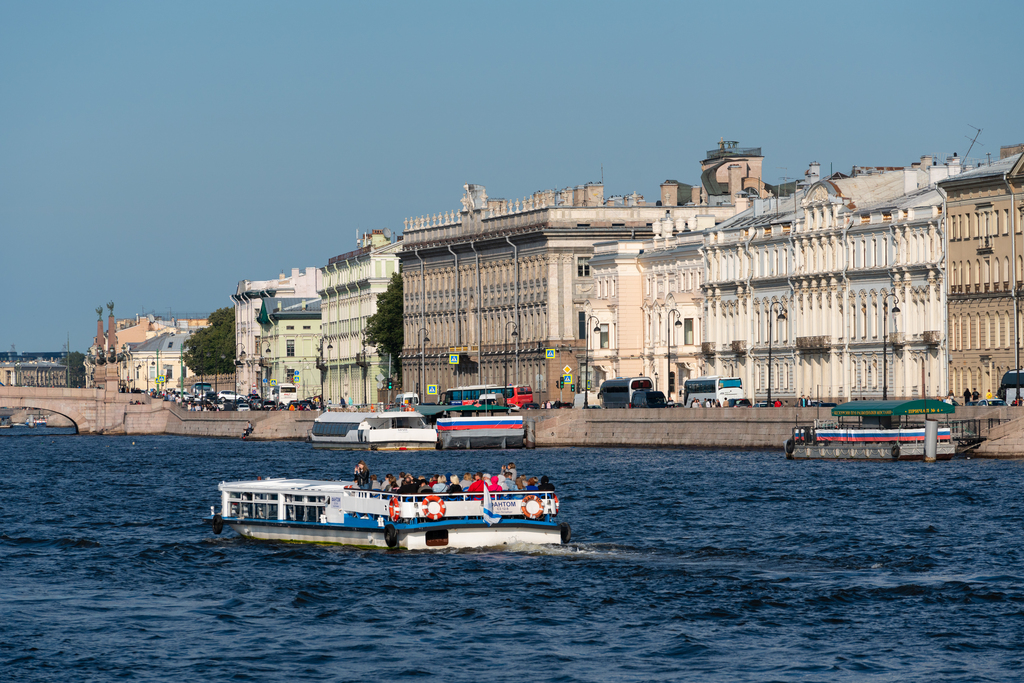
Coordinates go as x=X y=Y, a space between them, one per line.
x=490 y=516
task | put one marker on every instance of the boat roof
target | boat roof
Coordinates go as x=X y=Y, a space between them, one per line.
x=342 y=416
x=430 y=411
x=894 y=408
x=290 y=484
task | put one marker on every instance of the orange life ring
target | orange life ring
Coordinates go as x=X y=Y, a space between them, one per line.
x=556 y=503
x=525 y=510
x=425 y=508
x=395 y=509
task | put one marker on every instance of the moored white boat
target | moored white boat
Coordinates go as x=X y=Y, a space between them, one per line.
x=388 y=431
x=333 y=512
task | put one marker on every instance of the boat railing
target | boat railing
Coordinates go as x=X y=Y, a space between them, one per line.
x=456 y=505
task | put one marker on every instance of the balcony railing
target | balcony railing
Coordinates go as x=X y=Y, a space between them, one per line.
x=896 y=338
x=932 y=337
x=707 y=348
x=739 y=346
x=817 y=342
x=985 y=244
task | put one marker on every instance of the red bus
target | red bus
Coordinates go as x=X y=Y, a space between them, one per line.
x=518 y=395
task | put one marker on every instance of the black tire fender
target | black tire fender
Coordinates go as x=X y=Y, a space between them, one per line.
x=790 y=446
x=391 y=535
x=895 y=450
x=565 y=531
x=218 y=524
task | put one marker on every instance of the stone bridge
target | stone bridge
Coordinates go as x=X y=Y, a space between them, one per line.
x=94 y=411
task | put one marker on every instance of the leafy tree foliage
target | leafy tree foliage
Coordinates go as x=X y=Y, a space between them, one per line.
x=203 y=350
x=385 y=329
x=76 y=362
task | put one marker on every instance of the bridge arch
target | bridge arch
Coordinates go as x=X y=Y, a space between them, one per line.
x=78 y=419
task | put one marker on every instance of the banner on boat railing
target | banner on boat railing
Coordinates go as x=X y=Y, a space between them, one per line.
x=506 y=506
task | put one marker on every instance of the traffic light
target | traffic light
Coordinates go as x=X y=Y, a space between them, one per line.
x=391 y=384
x=560 y=382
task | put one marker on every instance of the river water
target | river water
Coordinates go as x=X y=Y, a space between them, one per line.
x=684 y=565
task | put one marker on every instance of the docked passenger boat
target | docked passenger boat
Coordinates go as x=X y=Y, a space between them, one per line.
x=476 y=426
x=334 y=512
x=387 y=431
x=866 y=431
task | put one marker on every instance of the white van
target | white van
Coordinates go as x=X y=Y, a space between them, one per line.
x=407 y=399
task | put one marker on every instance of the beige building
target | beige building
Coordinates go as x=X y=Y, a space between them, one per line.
x=351 y=284
x=986 y=262
x=155 y=363
x=290 y=339
x=500 y=283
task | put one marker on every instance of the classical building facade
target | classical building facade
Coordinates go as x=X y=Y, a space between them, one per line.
x=351 y=283
x=290 y=337
x=641 y=291
x=155 y=363
x=501 y=283
x=986 y=272
x=248 y=299
x=837 y=259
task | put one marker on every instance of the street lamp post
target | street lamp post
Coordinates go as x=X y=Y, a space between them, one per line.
x=781 y=316
x=420 y=387
x=322 y=367
x=586 y=375
x=515 y=333
x=668 y=353
x=886 y=295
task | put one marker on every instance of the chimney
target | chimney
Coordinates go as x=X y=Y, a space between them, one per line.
x=735 y=179
x=813 y=172
x=670 y=193
x=695 y=195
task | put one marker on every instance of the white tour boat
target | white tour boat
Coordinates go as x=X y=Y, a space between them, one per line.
x=398 y=430
x=336 y=512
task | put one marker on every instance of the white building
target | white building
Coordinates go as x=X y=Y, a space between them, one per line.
x=248 y=298
x=837 y=258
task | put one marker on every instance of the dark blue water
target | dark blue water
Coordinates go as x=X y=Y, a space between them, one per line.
x=685 y=565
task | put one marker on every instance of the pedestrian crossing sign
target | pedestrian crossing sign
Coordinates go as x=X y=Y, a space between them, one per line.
x=453 y=359
x=431 y=390
x=567 y=379
x=549 y=353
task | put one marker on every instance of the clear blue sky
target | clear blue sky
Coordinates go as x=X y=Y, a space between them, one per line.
x=155 y=153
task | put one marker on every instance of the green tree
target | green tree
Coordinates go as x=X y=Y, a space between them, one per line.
x=203 y=350
x=76 y=362
x=385 y=329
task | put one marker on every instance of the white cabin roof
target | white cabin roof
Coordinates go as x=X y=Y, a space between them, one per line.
x=355 y=418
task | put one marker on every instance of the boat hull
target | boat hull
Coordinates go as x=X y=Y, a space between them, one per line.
x=424 y=537
x=481 y=438
x=875 y=452
x=326 y=443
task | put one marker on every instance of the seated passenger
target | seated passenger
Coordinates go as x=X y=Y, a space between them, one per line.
x=545 y=484
x=494 y=485
x=477 y=486
x=409 y=485
x=521 y=482
x=424 y=485
x=456 y=487
x=467 y=479
x=440 y=485
x=531 y=484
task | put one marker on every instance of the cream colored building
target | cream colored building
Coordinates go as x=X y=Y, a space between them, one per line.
x=475 y=276
x=838 y=258
x=986 y=268
x=351 y=284
x=155 y=363
x=248 y=299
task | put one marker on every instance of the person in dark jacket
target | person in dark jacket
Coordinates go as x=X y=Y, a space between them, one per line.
x=967 y=396
x=408 y=485
x=545 y=484
x=362 y=475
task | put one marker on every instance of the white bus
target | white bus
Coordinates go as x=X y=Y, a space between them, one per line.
x=618 y=392
x=715 y=388
x=284 y=393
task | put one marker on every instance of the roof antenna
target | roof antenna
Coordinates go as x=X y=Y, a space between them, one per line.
x=973 y=140
x=602 y=174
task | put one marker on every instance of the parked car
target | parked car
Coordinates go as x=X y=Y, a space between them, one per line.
x=647 y=399
x=739 y=403
x=530 y=406
x=228 y=395
x=988 y=402
x=243 y=406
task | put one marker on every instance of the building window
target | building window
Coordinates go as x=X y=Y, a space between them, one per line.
x=306 y=327
x=688 y=331
x=583 y=324
x=582 y=266
x=291 y=349
x=290 y=327
x=290 y=374
x=169 y=372
x=604 y=335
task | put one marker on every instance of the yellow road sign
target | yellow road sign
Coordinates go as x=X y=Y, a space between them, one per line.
x=566 y=370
